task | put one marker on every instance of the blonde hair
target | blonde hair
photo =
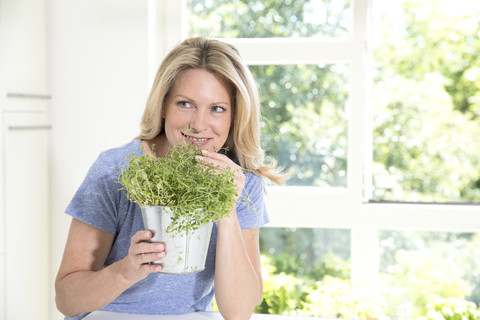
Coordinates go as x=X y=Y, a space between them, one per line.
x=223 y=60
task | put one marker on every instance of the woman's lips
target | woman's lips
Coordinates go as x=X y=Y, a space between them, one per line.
x=197 y=141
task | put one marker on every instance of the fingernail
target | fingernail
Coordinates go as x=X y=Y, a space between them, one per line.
x=204 y=151
x=199 y=158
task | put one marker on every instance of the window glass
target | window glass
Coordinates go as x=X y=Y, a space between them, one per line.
x=419 y=269
x=272 y=18
x=305 y=120
x=426 y=101
x=296 y=263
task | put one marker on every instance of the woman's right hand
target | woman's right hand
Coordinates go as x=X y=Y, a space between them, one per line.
x=84 y=283
x=136 y=265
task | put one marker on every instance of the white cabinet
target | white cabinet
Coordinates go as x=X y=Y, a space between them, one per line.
x=23 y=45
x=2 y=286
x=26 y=215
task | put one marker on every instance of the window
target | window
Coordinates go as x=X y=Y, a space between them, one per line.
x=426 y=101
x=269 y=19
x=418 y=267
x=368 y=117
x=305 y=120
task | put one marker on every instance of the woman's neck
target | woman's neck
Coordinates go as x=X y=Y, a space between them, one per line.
x=157 y=146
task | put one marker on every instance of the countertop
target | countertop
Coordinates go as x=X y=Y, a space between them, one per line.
x=107 y=315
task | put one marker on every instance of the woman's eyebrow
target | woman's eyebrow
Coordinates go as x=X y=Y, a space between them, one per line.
x=181 y=96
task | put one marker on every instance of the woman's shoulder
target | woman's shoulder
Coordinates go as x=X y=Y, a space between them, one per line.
x=253 y=182
x=120 y=153
x=112 y=159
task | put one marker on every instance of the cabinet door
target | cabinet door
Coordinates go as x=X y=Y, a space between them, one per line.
x=26 y=216
x=2 y=287
x=23 y=46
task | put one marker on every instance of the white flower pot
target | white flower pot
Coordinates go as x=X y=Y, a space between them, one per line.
x=186 y=252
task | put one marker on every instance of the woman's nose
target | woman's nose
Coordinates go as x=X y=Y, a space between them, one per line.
x=199 y=121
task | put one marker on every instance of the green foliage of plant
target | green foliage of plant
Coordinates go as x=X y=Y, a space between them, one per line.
x=438 y=40
x=427 y=103
x=282 y=293
x=305 y=120
x=409 y=166
x=416 y=268
x=452 y=309
x=287 y=294
x=308 y=252
x=422 y=276
x=338 y=298
x=271 y=18
x=419 y=267
x=300 y=266
x=196 y=192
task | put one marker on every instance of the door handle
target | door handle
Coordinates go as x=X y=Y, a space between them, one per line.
x=44 y=127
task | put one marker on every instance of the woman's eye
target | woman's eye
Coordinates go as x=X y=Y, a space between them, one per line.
x=218 y=109
x=184 y=104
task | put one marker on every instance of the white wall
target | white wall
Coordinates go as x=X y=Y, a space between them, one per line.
x=98 y=79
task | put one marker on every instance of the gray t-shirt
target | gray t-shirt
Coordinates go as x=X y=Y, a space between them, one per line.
x=100 y=203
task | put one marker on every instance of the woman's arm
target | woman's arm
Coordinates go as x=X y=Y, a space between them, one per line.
x=83 y=285
x=238 y=278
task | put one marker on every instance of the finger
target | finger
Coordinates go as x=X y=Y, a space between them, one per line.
x=217 y=156
x=142 y=235
x=151 y=268
x=218 y=161
x=151 y=257
x=140 y=258
x=220 y=165
x=210 y=163
x=148 y=247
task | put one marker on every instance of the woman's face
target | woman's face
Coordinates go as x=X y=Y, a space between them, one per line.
x=198 y=109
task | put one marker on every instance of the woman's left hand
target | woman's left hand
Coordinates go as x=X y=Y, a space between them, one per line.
x=221 y=161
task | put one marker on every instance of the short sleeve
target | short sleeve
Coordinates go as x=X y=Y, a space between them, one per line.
x=96 y=200
x=251 y=209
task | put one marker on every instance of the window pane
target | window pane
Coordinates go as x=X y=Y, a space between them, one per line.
x=418 y=268
x=306 y=121
x=296 y=263
x=273 y=18
x=427 y=101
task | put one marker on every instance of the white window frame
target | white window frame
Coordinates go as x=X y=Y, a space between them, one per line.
x=344 y=208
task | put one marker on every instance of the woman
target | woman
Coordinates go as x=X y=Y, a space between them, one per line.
x=203 y=93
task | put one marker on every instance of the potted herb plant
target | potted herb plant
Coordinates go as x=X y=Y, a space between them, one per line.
x=180 y=198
